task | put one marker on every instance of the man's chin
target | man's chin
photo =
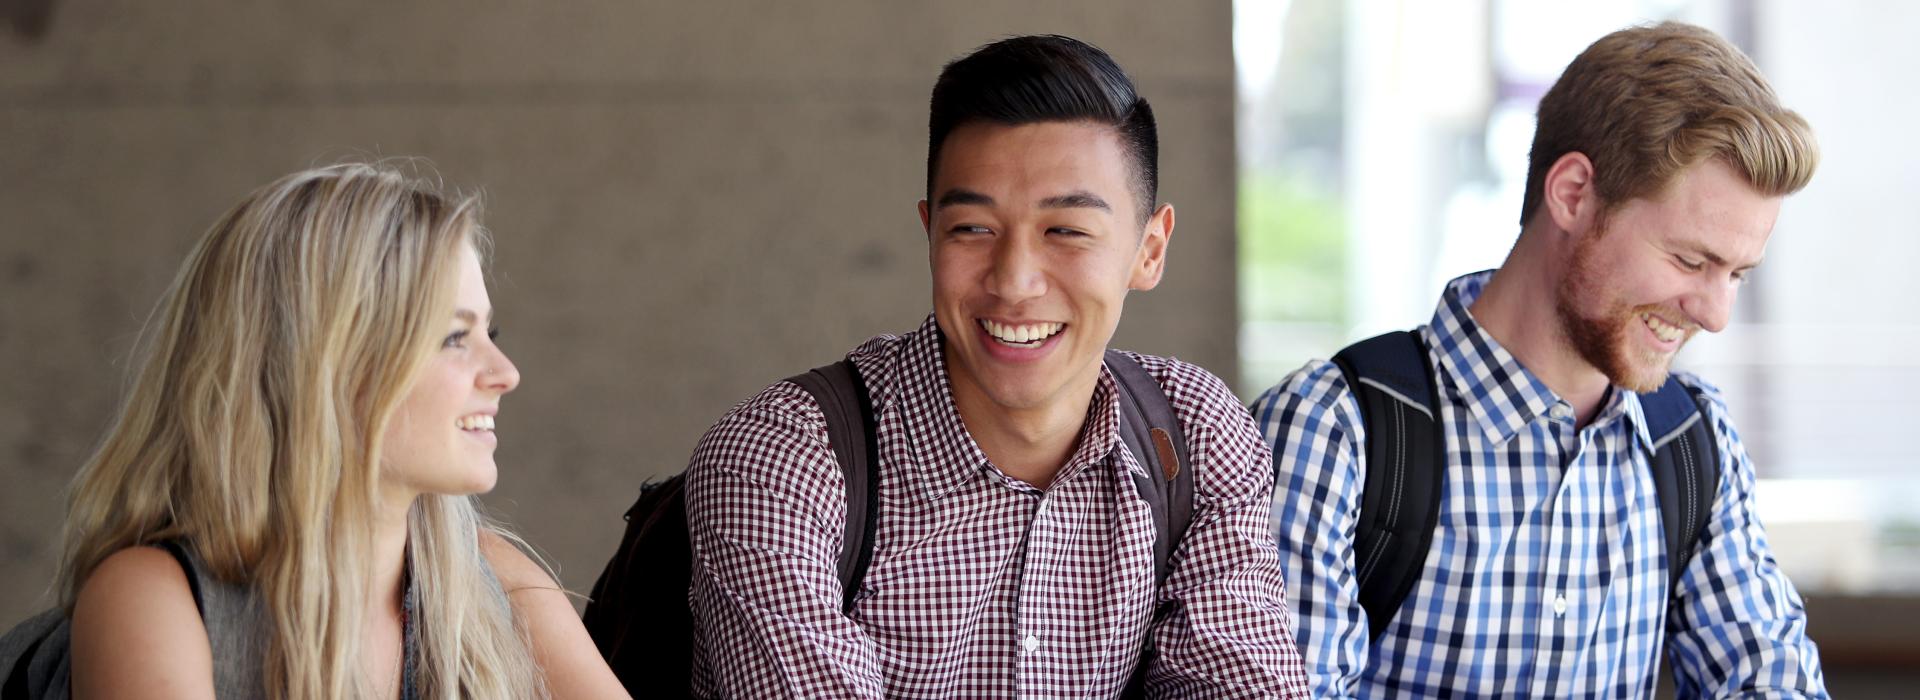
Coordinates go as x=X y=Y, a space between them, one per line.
x=1645 y=385
x=1005 y=387
x=1643 y=377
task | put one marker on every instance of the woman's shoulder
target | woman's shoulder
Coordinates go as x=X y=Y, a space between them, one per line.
x=137 y=629
x=510 y=564
x=145 y=577
x=568 y=659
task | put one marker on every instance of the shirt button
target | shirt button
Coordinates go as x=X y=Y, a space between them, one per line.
x=1560 y=411
x=1031 y=643
x=1560 y=606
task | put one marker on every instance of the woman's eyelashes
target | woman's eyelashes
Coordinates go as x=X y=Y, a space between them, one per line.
x=458 y=339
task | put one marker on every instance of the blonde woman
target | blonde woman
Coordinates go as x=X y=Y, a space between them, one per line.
x=283 y=508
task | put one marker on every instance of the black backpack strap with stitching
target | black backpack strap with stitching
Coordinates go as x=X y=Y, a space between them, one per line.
x=1405 y=467
x=1686 y=469
x=850 y=430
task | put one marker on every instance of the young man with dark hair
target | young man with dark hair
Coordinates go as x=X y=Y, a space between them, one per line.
x=1013 y=549
x=1519 y=499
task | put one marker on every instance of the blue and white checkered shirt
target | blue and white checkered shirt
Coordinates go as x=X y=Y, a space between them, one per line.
x=1547 y=576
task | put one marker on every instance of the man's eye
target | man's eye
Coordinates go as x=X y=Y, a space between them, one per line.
x=455 y=339
x=968 y=228
x=1064 y=231
x=1693 y=265
x=493 y=333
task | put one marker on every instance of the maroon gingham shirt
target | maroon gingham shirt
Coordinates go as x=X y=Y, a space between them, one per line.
x=980 y=585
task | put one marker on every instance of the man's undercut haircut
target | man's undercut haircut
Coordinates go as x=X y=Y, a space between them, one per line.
x=1645 y=103
x=1046 y=78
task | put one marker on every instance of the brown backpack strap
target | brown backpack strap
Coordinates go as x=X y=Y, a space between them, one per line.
x=1152 y=432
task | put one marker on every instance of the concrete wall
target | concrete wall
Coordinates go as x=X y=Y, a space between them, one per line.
x=691 y=200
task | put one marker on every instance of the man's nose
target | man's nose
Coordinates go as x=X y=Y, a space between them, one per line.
x=1018 y=273
x=1712 y=305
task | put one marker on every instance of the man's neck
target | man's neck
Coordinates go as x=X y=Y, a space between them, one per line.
x=1517 y=307
x=1031 y=444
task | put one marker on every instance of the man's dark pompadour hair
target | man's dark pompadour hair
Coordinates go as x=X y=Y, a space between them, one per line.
x=1046 y=78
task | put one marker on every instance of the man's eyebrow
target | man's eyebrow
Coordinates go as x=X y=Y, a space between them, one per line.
x=1080 y=199
x=956 y=197
x=1714 y=258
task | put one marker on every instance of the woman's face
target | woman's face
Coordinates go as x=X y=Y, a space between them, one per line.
x=441 y=441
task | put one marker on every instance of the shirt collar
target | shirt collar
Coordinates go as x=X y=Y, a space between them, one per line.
x=1626 y=404
x=944 y=454
x=1500 y=394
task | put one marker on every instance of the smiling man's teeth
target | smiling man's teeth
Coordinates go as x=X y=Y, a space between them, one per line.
x=1666 y=332
x=1026 y=335
x=477 y=422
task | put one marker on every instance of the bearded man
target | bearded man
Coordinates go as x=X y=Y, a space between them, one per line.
x=1519 y=499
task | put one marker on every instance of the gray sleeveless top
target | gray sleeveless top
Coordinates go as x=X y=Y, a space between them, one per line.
x=238 y=632
x=237 y=628
x=37 y=651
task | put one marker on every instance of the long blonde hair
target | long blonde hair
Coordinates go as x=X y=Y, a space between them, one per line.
x=253 y=428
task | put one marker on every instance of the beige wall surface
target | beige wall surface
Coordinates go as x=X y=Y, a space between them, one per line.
x=690 y=200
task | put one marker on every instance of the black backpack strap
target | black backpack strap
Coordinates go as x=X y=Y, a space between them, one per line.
x=1406 y=464
x=1686 y=469
x=850 y=429
x=1152 y=432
